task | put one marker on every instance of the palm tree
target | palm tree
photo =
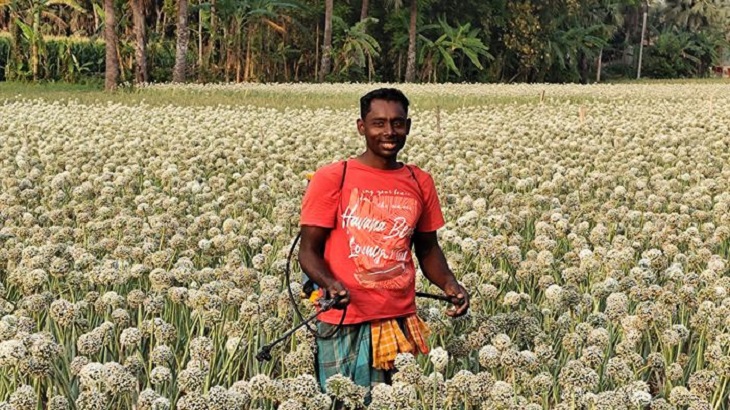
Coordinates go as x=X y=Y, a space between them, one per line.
x=183 y=36
x=138 y=16
x=262 y=13
x=693 y=15
x=412 y=34
x=246 y=17
x=364 y=9
x=411 y=64
x=610 y=15
x=111 y=74
x=327 y=43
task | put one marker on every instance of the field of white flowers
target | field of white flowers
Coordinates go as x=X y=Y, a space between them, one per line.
x=142 y=249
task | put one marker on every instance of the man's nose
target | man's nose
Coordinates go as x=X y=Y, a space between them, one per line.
x=388 y=129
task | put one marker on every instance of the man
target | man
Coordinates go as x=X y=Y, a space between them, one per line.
x=359 y=220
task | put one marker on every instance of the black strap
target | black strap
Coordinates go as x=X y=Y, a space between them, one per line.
x=413 y=174
x=309 y=282
x=344 y=171
x=342 y=184
x=420 y=191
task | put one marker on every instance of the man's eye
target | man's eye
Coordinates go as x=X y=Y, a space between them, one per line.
x=378 y=123
x=398 y=124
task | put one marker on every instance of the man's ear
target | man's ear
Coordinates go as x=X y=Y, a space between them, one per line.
x=360 y=126
x=408 y=126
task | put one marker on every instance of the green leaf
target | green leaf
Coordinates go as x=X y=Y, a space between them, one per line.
x=28 y=32
x=474 y=58
x=449 y=61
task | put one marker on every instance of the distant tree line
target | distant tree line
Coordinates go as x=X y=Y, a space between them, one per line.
x=359 y=40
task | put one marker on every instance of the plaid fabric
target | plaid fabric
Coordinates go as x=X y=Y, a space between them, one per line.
x=348 y=353
x=388 y=340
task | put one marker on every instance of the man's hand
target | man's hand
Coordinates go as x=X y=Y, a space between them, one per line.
x=336 y=290
x=311 y=259
x=459 y=297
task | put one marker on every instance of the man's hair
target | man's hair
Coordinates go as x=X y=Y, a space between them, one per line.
x=387 y=94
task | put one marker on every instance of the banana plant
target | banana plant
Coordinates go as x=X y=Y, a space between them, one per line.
x=358 y=48
x=566 y=45
x=460 y=42
x=27 y=15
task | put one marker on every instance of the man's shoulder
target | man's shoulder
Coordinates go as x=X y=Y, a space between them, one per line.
x=330 y=168
x=329 y=172
x=420 y=173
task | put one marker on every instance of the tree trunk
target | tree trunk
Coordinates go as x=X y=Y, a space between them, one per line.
x=399 y=71
x=178 y=73
x=247 y=68
x=140 y=69
x=34 y=53
x=15 y=58
x=411 y=64
x=364 y=10
x=111 y=74
x=327 y=42
x=316 y=53
x=200 y=41
x=96 y=20
x=213 y=33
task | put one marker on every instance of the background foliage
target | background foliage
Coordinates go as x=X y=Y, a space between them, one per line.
x=456 y=41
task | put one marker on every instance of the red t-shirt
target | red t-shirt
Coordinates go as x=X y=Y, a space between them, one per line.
x=372 y=221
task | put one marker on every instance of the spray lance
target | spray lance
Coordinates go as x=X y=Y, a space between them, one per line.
x=323 y=304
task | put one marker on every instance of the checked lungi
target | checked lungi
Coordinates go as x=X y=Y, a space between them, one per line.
x=350 y=351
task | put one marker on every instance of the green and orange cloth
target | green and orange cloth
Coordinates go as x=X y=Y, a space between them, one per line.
x=388 y=339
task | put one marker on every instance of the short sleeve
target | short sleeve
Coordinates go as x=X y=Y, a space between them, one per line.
x=319 y=205
x=432 y=218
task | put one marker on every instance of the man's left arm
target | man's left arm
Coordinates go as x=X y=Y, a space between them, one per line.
x=434 y=266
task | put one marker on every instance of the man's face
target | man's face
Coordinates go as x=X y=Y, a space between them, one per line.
x=385 y=128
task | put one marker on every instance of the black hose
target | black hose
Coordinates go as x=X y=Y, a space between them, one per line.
x=265 y=352
x=287 y=273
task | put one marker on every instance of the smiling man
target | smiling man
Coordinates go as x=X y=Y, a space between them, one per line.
x=360 y=219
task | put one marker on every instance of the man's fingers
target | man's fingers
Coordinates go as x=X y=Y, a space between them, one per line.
x=460 y=302
x=342 y=297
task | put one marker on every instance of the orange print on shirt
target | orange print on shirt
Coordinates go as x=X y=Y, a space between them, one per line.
x=379 y=227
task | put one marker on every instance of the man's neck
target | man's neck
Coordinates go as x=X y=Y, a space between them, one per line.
x=375 y=161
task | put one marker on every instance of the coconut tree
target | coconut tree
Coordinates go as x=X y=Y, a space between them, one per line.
x=111 y=74
x=183 y=36
x=241 y=18
x=411 y=62
x=138 y=16
x=327 y=41
x=261 y=13
x=412 y=35
x=694 y=15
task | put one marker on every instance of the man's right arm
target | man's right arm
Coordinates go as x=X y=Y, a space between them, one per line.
x=311 y=259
